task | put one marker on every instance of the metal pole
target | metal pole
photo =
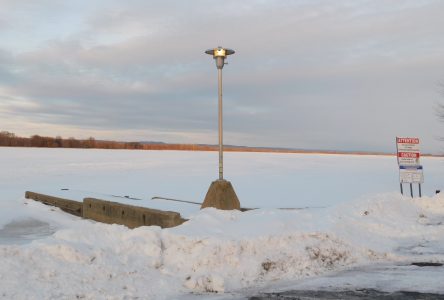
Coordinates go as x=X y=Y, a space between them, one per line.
x=221 y=146
x=420 y=194
x=402 y=192
x=411 y=190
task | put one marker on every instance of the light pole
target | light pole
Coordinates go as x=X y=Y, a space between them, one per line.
x=219 y=55
x=221 y=193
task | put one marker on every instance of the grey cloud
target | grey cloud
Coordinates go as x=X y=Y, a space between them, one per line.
x=309 y=74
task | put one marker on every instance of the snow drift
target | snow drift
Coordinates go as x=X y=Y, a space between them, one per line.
x=218 y=251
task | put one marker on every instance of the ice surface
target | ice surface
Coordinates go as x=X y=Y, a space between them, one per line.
x=23 y=231
x=356 y=221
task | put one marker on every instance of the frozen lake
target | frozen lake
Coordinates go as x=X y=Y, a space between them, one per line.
x=265 y=180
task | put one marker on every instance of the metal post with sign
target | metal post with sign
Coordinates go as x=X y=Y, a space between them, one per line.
x=410 y=170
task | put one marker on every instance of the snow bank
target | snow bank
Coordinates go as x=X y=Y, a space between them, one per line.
x=395 y=224
x=218 y=251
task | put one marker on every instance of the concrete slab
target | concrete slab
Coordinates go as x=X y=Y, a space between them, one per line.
x=128 y=215
x=221 y=195
x=69 y=206
x=111 y=212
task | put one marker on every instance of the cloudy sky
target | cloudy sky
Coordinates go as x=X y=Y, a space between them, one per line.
x=341 y=75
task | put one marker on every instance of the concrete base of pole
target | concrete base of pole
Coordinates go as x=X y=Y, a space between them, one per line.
x=221 y=195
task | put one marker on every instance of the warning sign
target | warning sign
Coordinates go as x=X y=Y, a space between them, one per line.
x=408 y=151
x=411 y=174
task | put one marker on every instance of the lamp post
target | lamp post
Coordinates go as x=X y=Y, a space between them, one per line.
x=219 y=55
x=221 y=193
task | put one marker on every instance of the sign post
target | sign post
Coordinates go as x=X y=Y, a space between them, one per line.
x=410 y=170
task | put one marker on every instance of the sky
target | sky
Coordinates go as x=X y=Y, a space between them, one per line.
x=337 y=75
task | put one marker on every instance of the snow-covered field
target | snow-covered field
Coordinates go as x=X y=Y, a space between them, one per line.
x=356 y=220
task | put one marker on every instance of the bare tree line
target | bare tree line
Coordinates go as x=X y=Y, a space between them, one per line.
x=9 y=139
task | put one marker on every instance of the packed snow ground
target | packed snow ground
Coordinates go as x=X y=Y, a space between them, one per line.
x=356 y=219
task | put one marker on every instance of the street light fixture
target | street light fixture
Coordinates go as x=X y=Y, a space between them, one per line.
x=220 y=194
x=219 y=55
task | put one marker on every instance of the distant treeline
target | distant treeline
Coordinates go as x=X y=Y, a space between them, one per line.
x=9 y=139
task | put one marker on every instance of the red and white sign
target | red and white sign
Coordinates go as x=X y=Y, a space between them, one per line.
x=413 y=141
x=408 y=151
x=408 y=154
